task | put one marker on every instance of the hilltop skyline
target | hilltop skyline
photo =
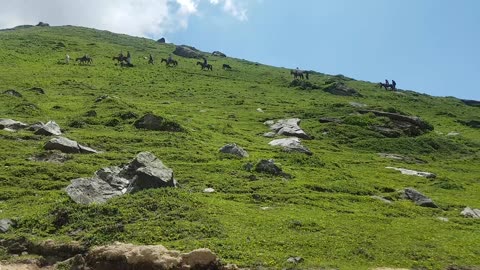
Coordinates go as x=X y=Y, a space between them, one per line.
x=427 y=46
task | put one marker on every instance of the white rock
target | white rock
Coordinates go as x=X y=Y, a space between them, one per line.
x=209 y=190
x=414 y=173
x=260 y=110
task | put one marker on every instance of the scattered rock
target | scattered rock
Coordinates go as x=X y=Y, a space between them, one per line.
x=12 y=92
x=38 y=90
x=304 y=85
x=128 y=256
x=161 y=40
x=357 y=105
x=61 y=251
x=269 y=167
x=42 y=24
x=35 y=126
x=143 y=172
x=234 y=150
x=102 y=98
x=5 y=225
x=287 y=127
x=68 y=146
x=418 y=198
x=415 y=173
x=295 y=260
x=219 y=54
x=11 y=124
x=260 y=110
x=154 y=122
x=470 y=213
x=444 y=219
x=270 y=134
x=340 y=89
x=209 y=190
x=381 y=199
x=16 y=245
x=187 y=51
x=453 y=133
x=51 y=156
x=470 y=123
x=291 y=144
x=49 y=129
x=402 y=158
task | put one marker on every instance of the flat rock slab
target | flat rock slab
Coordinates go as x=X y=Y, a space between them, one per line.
x=291 y=144
x=414 y=173
x=287 y=127
x=233 y=149
x=144 y=172
x=68 y=146
x=5 y=225
x=49 y=129
x=402 y=158
x=12 y=124
x=470 y=213
x=418 y=198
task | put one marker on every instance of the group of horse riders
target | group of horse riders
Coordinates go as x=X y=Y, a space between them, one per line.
x=387 y=85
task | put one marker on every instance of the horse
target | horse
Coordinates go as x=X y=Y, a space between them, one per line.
x=386 y=86
x=120 y=58
x=84 y=60
x=226 y=67
x=205 y=66
x=169 y=62
x=299 y=74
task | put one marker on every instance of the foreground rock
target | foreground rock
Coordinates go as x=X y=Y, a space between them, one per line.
x=234 y=149
x=49 y=129
x=5 y=225
x=269 y=167
x=418 y=198
x=287 y=127
x=144 y=172
x=10 y=124
x=414 y=173
x=187 y=51
x=291 y=145
x=470 y=213
x=154 y=122
x=219 y=54
x=68 y=146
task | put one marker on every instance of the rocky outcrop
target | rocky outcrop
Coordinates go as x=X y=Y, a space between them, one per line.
x=409 y=125
x=37 y=90
x=12 y=92
x=154 y=122
x=470 y=213
x=12 y=124
x=49 y=129
x=234 y=149
x=187 y=51
x=143 y=172
x=219 y=54
x=43 y=24
x=340 y=89
x=418 y=198
x=287 y=127
x=161 y=40
x=414 y=173
x=68 y=146
x=291 y=145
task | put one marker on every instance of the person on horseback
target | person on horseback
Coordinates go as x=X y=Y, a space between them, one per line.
x=150 y=59
x=205 y=61
x=394 y=85
x=129 y=58
x=386 y=82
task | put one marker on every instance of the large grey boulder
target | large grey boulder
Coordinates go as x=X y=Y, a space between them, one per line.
x=144 y=172
x=49 y=129
x=68 y=146
x=234 y=149
x=11 y=124
x=409 y=125
x=5 y=225
x=287 y=127
x=418 y=198
x=470 y=213
x=291 y=144
x=187 y=51
x=219 y=54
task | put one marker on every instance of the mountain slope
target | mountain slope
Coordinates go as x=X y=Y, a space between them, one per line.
x=324 y=213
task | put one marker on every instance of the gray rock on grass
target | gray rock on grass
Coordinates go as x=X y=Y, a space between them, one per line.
x=68 y=146
x=418 y=198
x=49 y=129
x=291 y=144
x=234 y=149
x=470 y=212
x=287 y=127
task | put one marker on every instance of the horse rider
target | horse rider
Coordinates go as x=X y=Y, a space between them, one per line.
x=150 y=59
x=129 y=58
x=205 y=61
x=386 y=82
x=394 y=84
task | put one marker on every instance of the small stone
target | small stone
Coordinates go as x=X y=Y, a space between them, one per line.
x=260 y=110
x=470 y=213
x=209 y=190
x=233 y=149
x=381 y=199
x=295 y=260
x=444 y=219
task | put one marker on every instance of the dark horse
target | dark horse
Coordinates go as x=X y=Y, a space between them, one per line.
x=169 y=62
x=120 y=58
x=205 y=66
x=299 y=74
x=226 y=67
x=84 y=60
x=387 y=85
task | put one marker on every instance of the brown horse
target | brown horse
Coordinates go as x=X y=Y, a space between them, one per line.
x=169 y=62
x=226 y=67
x=205 y=66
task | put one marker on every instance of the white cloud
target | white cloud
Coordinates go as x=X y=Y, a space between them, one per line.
x=134 y=17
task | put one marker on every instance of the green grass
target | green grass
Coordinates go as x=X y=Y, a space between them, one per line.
x=323 y=214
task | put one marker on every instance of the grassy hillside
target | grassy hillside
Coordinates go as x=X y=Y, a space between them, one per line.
x=325 y=213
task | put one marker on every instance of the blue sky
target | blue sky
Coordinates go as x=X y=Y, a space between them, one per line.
x=429 y=46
